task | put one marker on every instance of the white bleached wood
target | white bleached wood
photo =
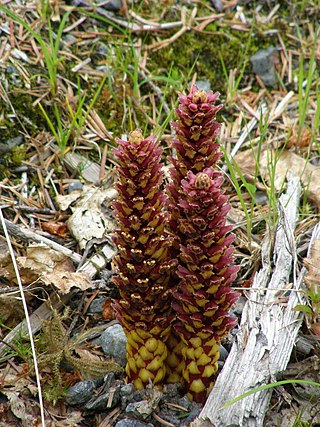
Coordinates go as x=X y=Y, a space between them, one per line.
x=268 y=328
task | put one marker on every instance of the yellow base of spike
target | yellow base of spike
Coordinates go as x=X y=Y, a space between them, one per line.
x=145 y=358
x=200 y=366
x=174 y=361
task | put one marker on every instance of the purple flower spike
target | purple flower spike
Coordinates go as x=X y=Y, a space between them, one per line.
x=202 y=295
x=143 y=264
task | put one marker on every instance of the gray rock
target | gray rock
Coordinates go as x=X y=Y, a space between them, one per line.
x=113 y=343
x=107 y=396
x=184 y=402
x=10 y=143
x=126 y=390
x=173 y=415
x=194 y=413
x=80 y=393
x=141 y=409
x=263 y=65
x=127 y=422
x=223 y=353
x=203 y=85
x=112 y=5
x=96 y=306
x=171 y=418
x=68 y=38
x=101 y=402
x=109 y=379
x=261 y=197
x=74 y=185
x=172 y=390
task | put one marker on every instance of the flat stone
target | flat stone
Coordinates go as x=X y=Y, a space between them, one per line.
x=113 y=342
x=263 y=66
x=80 y=393
x=101 y=402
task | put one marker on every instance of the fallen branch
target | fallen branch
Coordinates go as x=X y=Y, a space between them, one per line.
x=27 y=235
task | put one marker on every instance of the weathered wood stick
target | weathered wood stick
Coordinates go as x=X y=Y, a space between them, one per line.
x=27 y=235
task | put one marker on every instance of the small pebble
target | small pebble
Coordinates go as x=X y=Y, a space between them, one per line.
x=184 y=402
x=238 y=308
x=126 y=390
x=218 y=5
x=172 y=390
x=141 y=409
x=113 y=343
x=112 y=5
x=10 y=143
x=203 y=85
x=12 y=70
x=69 y=38
x=186 y=422
x=109 y=379
x=195 y=409
x=223 y=353
x=169 y=417
x=96 y=306
x=75 y=185
x=101 y=402
x=103 y=69
x=80 y=393
x=20 y=169
x=263 y=66
x=101 y=49
x=261 y=198
x=138 y=395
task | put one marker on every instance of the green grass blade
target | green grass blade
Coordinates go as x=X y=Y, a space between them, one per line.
x=50 y=124
x=266 y=387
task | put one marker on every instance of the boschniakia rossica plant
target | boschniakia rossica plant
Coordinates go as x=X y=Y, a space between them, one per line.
x=143 y=264
x=203 y=244
x=175 y=263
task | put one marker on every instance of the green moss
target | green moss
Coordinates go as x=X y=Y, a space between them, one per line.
x=152 y=9
x=202 y=52
x=26 y=113
x=18 y=155
x=54 y=390
x=12 y=159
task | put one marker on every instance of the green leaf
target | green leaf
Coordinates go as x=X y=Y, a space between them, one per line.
x=303 y=308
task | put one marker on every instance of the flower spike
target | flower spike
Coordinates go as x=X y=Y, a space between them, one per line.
x=143 y=263
x=202 y=295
